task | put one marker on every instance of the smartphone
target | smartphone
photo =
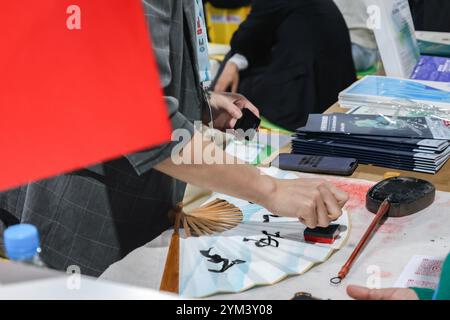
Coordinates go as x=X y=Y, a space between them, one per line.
x=316 y=164
x=248 y=121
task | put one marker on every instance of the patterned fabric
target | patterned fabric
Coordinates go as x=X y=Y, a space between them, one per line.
x=94 y=217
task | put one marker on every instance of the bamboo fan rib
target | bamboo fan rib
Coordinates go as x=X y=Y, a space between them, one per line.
x=216 y=216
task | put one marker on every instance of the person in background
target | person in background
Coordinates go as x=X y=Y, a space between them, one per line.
x=291 y=58
x=364 y=45
x=431 y=15
x=442 y=292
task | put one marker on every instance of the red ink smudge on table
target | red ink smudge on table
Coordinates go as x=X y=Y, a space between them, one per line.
x=357 y=193
x=390 y=228
x=434 y=226
x=390 y=239
x=385 y=274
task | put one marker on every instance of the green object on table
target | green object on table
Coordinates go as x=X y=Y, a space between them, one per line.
x=444 y=285
x=371 y=71
x=258 y=151
x=263 y=155
x=266 y=124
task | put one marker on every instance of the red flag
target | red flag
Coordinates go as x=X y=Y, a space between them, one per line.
x=79 y=85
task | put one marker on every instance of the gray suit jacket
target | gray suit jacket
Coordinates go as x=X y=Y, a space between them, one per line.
x=93 y=217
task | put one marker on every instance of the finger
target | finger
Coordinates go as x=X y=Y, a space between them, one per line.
x=358 y=292
x=232 y=109
x=219 y=87
x=231 y=123
x=223 y=83
x=308 y=223
x=242 y=103
x=340 y=195
x=323 y=220
x=235 y=86
x=252 y=108
x=334 y=210
x=362 y=293
x=309 y=217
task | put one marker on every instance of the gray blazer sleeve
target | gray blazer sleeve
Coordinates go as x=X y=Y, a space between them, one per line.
x=158 y=14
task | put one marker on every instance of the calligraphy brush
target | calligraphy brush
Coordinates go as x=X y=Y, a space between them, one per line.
x=394 y=197
x=384 y=208
x=214 y=217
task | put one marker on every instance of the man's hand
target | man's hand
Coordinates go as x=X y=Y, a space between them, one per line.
x=314 y=202
x=226 y=109
x=229 y=79
x=362 y=293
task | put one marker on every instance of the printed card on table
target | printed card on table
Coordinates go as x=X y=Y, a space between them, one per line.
x=421 y=272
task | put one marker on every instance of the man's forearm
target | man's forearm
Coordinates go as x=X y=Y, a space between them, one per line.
x=239 y=180
x=314 y=202
x=243 y=181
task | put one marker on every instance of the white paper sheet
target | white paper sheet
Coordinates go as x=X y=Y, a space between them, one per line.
x=421 y=272
x=262 y=250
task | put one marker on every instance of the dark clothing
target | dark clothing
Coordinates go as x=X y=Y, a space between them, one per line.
x=92 y=220
x=94 y=217
x=431 y=15
x=300 y=58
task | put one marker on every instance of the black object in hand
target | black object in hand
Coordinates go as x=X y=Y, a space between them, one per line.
x=248 y=121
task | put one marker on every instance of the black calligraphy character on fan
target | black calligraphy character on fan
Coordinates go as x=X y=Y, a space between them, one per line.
x=267 y=217
x=266 y=241
x=215 y=258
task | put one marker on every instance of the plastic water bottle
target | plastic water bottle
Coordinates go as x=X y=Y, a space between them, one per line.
x=22 y=244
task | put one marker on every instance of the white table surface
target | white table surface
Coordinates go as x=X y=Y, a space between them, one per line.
x=390 y=249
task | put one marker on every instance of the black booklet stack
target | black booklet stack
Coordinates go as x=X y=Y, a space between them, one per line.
x=415 y=144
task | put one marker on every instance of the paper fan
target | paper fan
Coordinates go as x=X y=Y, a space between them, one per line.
x=260 y=250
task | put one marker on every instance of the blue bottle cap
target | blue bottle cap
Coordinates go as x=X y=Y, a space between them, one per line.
x=21 y=242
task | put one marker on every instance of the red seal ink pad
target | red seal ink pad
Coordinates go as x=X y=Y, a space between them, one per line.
x=322 y=235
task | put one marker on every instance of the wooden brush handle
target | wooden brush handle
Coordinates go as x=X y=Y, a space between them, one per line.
x=216 y=216
x=384 y=208
x=171 y=276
